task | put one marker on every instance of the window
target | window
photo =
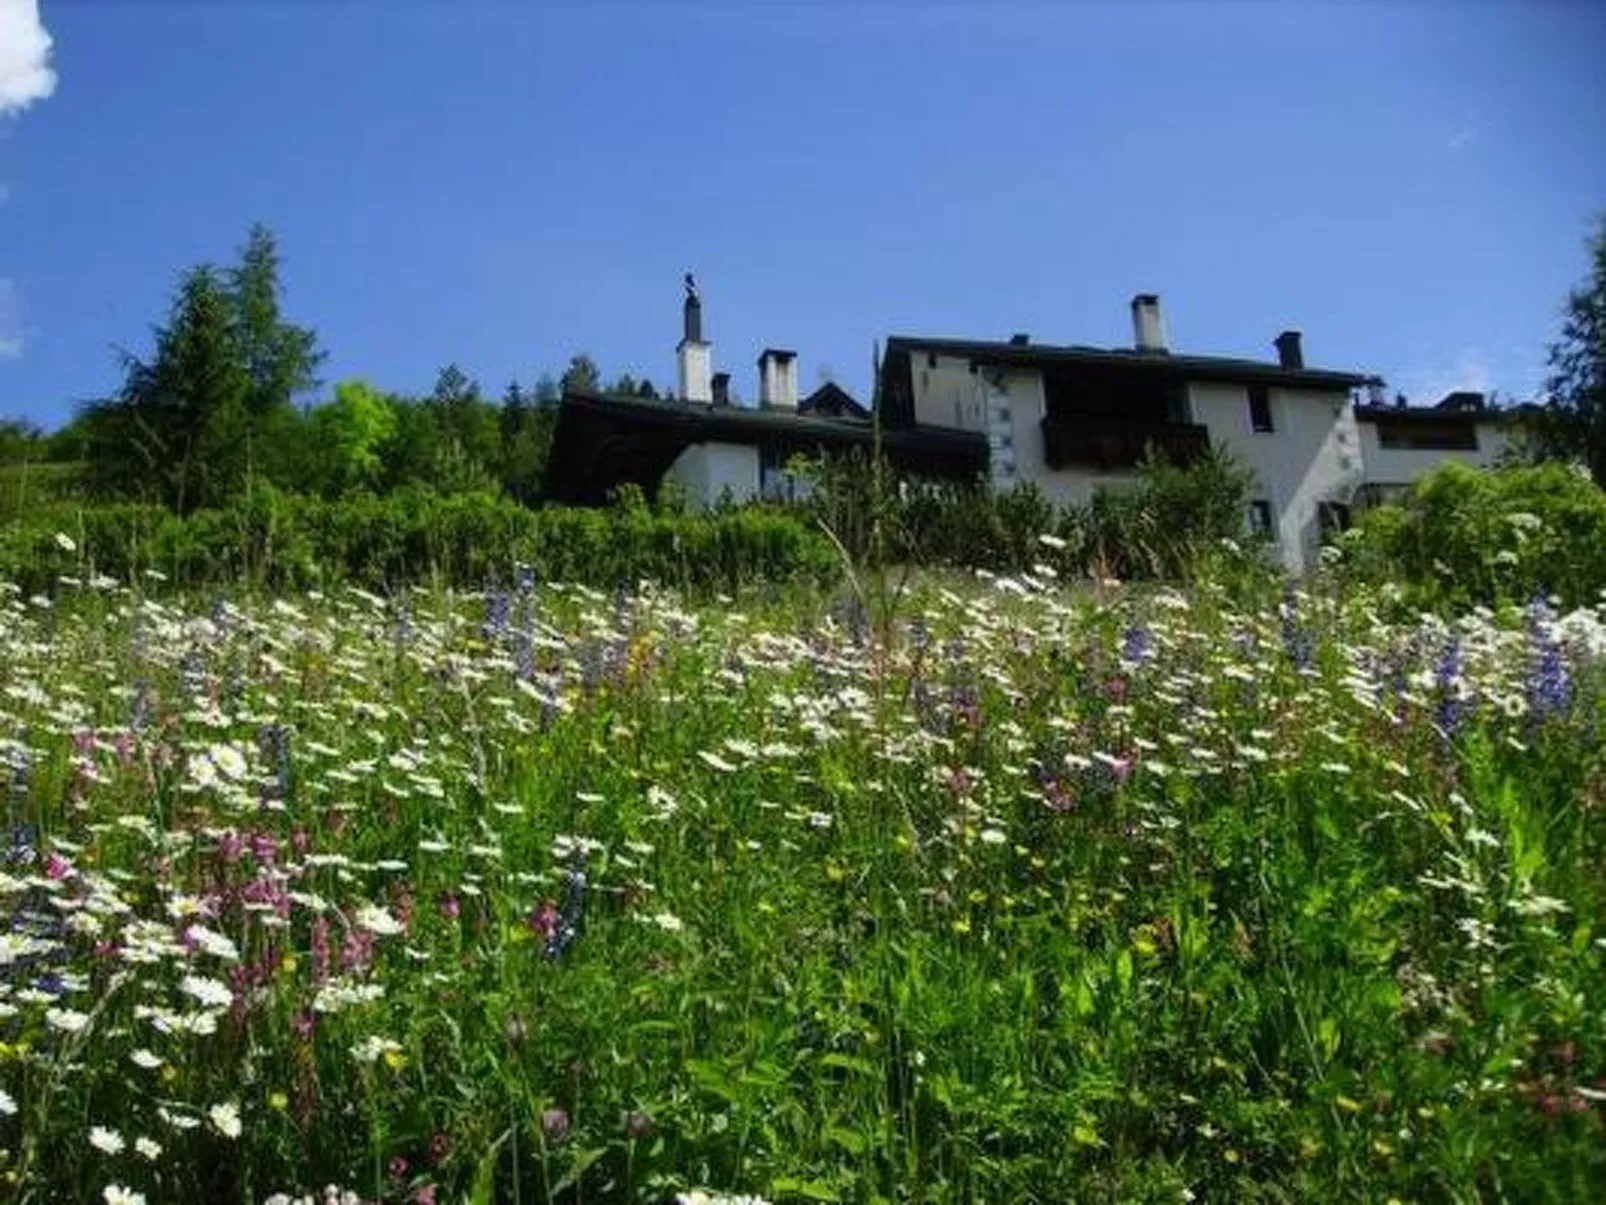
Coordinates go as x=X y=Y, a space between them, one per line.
x=1260 y=408
x=1427 y=435
x=1332 y=518
x=1260 y=517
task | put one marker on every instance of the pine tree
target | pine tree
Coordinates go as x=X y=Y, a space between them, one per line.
x=178 y=429
x=280 y=359
x=1574 y=422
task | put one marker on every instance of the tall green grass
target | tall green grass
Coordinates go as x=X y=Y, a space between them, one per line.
x=1022 y=896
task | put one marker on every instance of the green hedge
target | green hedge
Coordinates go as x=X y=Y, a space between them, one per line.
x=1158 y=525
x=1465 y=537
x=293 y=541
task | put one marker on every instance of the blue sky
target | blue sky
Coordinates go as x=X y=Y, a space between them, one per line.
x=505 y=184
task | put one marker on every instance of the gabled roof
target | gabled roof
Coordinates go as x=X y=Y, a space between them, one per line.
x=830 y=398
x=1193 y=368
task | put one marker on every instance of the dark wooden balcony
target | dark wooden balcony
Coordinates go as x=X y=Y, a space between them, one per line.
x=1100 y=442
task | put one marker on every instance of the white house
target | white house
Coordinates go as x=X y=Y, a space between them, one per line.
x=714 y=449
x=1401 y=443
x=1071 y=419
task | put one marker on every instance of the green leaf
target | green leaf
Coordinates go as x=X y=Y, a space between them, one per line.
x=812 y=1190
x=849 y=1140
x=484 y=1188
x=848 y=1062
x=577 y=1167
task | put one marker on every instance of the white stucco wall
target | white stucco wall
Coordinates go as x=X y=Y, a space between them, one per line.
x=950 y=395
x=947 y=394
x=705 y=471
x=1311 y=455
x=1401 y=466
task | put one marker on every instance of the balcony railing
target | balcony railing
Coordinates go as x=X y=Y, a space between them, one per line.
x=1105 y=443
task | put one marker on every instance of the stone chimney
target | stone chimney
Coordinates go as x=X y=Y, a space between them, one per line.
x=692 y=356
x=777 y=379
x=1289 y=352
x=1148 y=332
x=722 y=388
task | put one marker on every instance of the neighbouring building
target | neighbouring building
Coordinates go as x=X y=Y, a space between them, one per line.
x=1068 y=419
x=1401 y=443
x=1073 y=419
x=715 y=449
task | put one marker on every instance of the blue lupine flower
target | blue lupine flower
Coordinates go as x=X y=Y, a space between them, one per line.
x=20 y=843
x=50 y=983
x=1137 y=643
x=273 y=741
x=571 y=917
x=1549 y=687
x=497 y=609
x=1445 y=677
x=1297 y=640
x=139 y=709
x=524 y=655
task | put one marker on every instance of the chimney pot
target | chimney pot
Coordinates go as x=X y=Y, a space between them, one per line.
x=777 y=379
x=1289 y=352
x=1148 y=331
x=722 y=388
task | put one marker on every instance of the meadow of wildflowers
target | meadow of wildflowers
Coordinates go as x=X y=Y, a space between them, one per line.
x=1020 y=894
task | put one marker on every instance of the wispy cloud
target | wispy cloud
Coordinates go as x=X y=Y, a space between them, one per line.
x=1469 y=369
x=11 y=332
x=1464 y=135
x=25 y=71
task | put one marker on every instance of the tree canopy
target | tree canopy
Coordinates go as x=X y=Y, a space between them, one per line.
x=217 y=405
x=1575 y=416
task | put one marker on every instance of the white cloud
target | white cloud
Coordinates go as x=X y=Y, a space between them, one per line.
x=25 y=72
x=1468 y=370
x=10 y=320
x=1465 y=134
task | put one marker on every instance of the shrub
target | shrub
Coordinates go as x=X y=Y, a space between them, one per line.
x=292 y=541
x=1156 y=527
x=1465 y=537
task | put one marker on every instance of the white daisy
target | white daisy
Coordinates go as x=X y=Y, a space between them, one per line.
x=225 y=1118
x=108 y=1141
x=67 y=1020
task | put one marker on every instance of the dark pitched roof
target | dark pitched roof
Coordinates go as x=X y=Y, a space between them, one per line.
x=1435 y=416
x=1195 y=368
x=603 y=441
x=831 y=399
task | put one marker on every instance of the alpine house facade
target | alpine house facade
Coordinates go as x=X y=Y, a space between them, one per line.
x=715 y=449
x=1073 y=419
